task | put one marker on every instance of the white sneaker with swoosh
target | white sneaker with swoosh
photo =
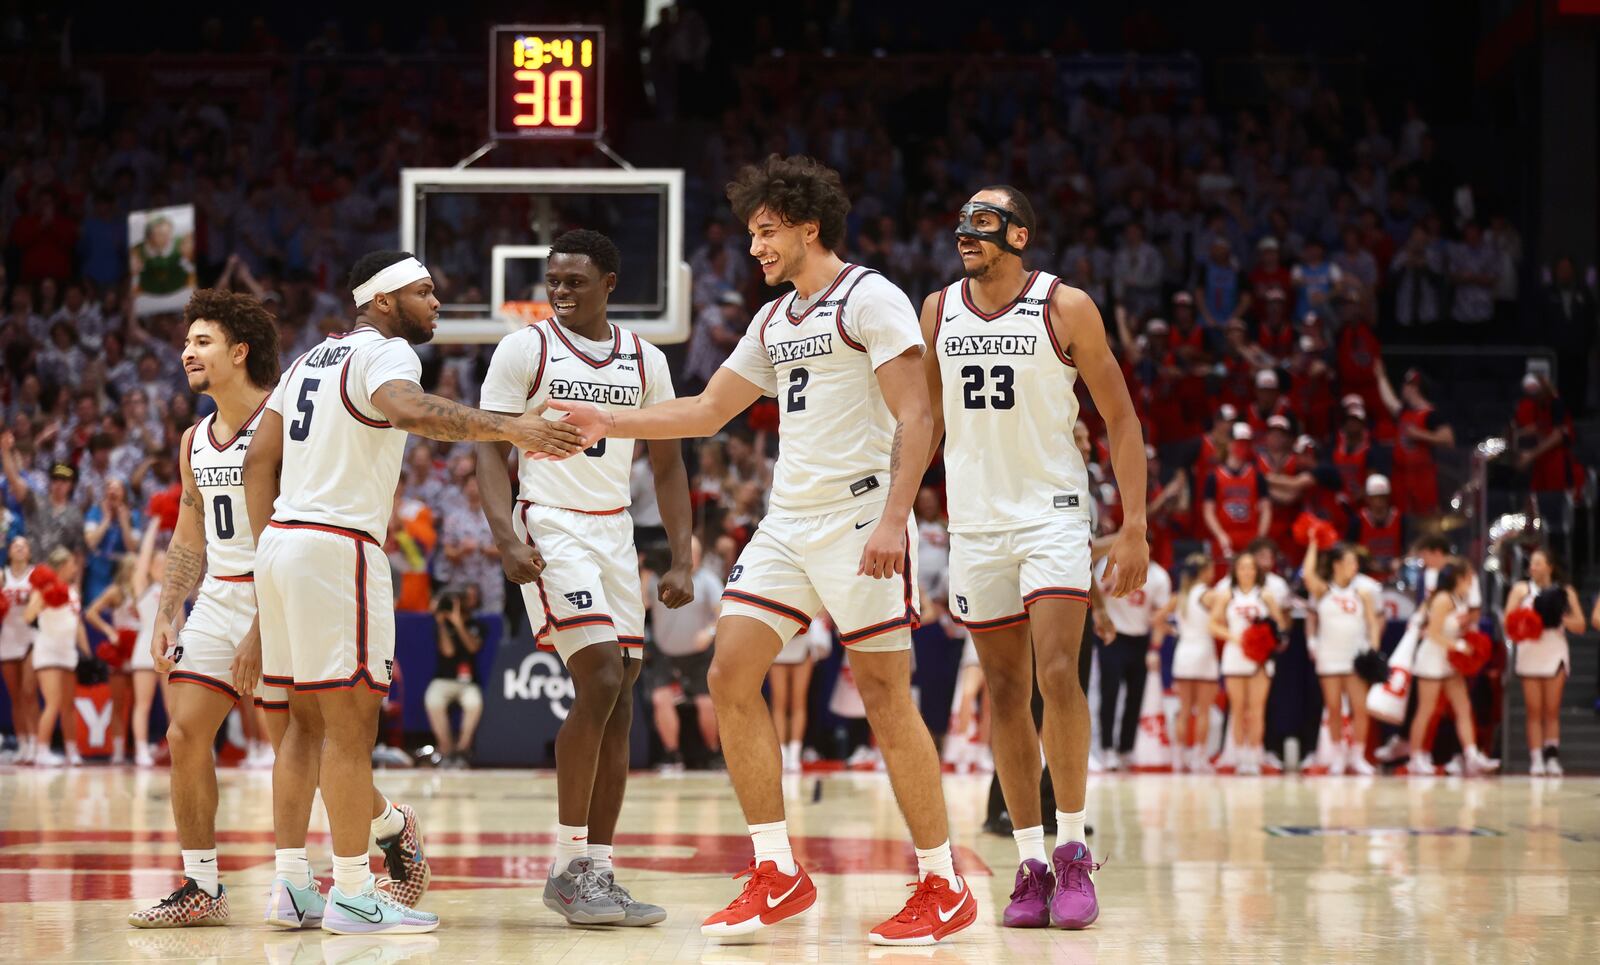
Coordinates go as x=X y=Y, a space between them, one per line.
x=371 y=912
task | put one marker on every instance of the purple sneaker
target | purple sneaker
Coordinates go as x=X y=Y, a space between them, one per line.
x=1030 y=899
x=1074 y=904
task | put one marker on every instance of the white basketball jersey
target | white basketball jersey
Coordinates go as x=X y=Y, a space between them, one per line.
x=218 y=467
x=1194 y=620
x=1009 y=409
x=544 y=361
x=14 y=629
x=1245 y=609
x=835 y=433
x=1341 y=619
x=341 y=458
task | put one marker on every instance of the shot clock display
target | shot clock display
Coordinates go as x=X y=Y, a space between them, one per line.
x=546 y=82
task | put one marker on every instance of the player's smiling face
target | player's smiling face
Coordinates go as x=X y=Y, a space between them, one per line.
x=577 y=289
x=779 y=248
x=19 y=553
x=208 y=358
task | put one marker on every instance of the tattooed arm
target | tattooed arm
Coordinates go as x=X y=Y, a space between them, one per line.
x=904 y=386
x=186 y=561
x=405 y=405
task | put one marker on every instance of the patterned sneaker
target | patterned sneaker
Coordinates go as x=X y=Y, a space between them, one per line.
x=373 y=912
x=188 y=907
x=1030 y=899
x=407 y=868
x=932 y=913
x=577 y=895
x=1075 y=904
x=295 y=906
x=768 y=897
x=635 y=912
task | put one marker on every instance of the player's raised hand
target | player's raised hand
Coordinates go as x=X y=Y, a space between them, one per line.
x=1127 y=562
x=532 y=433
x=884 y=555
x=591 y=421
x=522 y=563
x=677 y=588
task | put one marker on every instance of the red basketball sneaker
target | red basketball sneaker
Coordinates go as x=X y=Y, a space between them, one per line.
x=769 y=897
x=934 y=912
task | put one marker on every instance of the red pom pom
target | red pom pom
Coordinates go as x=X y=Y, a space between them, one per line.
x=1302 y=528
x=42 y=577
x=56 y=594
x=126 y=640
x=1471 y=653
x=1309 y=529
x=1325 y=534
x=107 y=652
x=1258 y=641
x=1523 y=625
x=5 y=605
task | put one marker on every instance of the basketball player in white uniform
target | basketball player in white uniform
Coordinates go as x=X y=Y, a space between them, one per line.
x=231 y=355
x=1005 y=348
x=841 y=353
x=572 y=515
x=16 y=642
x=319 y=477
x=1346 y=623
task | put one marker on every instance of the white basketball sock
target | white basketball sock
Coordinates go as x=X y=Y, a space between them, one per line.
x=1069 y=827
x=351 y=875
x=1030 y=844
x=771 y=843
x=202 y=867
x=572 y=841
x=388 y=824
x=293 y=865
x=937 y=861
x=600 y=854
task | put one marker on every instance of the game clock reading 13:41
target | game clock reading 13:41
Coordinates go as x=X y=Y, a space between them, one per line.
x=546 y=82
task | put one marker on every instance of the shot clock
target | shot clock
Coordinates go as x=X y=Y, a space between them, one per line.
x=546 y=82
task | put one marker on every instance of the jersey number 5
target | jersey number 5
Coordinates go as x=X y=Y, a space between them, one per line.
x=1004 y=397
x=300 y=428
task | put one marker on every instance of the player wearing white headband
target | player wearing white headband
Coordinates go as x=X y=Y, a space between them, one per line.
x=319 y=479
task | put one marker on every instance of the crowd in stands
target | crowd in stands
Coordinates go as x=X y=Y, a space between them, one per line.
x=1249 y=262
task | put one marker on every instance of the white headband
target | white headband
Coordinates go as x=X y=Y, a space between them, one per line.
x=393 y=278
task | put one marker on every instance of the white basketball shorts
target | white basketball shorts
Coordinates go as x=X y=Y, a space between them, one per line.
x=996 y=577
x=590 y=590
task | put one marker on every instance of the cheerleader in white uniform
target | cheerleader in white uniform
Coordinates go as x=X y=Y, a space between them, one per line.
x=16 y=643
x=1232 y=612
x=1544 y=664
x=117 y=598
x=1444 y=614
x=1194 y=663
x=60 y=642
x=1346 y=622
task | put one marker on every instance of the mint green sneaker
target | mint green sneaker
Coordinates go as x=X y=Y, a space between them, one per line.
x=373 y=912
x=295 y=906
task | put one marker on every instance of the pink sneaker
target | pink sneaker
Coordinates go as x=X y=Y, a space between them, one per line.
x=1074 y=905
x=1030 y=899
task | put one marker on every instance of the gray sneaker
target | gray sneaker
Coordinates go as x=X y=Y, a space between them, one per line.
x=579 y=897
x=635 y=912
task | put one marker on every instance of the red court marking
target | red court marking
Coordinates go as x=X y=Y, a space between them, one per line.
x=111 y=874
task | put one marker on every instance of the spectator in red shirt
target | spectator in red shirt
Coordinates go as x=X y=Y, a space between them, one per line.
x=1376 y=527
x=45 y=241
x=1276 y=335
x=1311 y=389
x=1419 y=431
x=1168 y=510
x=1358 y=353
x=1240 y=361
x=1288 y=478
x=1268 y=275
x=1235 y=506
x=1543 y=436
x=1352 y=451
x=1269 y=401
x=1188 y=339
x=1214 y=444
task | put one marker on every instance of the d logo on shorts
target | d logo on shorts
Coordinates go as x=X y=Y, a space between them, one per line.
x=736 y=572
x=581 y=600
x=961 y=603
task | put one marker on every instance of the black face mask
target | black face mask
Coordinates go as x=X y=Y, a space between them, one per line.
x=966 y=229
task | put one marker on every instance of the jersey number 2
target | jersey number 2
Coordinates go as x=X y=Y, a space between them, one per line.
x=300 y=428
x=797 y=387
x=1003 y=397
